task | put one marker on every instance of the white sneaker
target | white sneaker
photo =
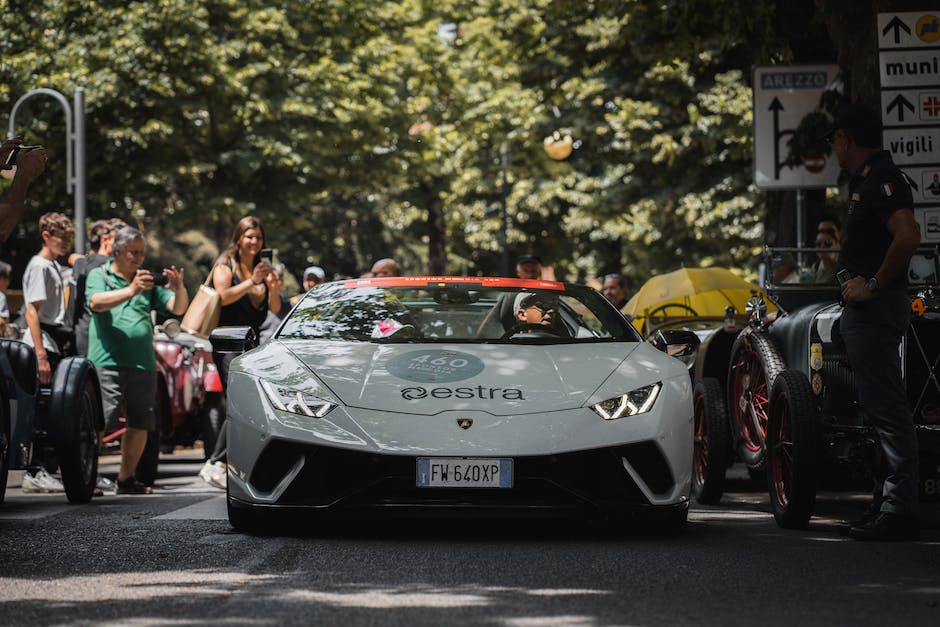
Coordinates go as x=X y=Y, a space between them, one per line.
x=42 y=481
x=214 y=473
x=103 y=483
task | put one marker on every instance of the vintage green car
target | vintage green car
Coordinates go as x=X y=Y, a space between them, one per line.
x=778 y=394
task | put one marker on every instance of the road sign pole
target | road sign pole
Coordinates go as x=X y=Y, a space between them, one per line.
x=79 y=150
x=74 y=150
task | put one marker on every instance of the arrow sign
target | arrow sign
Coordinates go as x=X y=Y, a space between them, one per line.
x=783 y=96
x=900 y=103
x=898 y=25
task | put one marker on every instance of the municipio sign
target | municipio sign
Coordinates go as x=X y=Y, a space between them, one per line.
x=783 y=95
x=909 y=65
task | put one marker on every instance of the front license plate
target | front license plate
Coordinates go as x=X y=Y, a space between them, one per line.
x=457 y=472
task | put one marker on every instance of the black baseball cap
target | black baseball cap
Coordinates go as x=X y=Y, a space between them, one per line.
x=859 y=121
x=528 y=258
x=541 y=301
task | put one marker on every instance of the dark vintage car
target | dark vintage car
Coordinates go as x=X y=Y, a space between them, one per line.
x=61 y=420
x=778 y=394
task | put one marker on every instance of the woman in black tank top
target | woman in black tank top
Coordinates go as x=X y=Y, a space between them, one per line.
x=246 y=283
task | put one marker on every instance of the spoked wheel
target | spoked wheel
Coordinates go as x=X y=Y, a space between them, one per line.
x=793 y=446
x=74 y=419
x=755 y=363
x=712 y=447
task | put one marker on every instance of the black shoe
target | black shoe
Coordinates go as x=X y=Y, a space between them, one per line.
x=132 y=486
x=869 y=515
x=887 y=527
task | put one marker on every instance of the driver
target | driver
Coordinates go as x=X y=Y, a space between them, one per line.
x=534 y=310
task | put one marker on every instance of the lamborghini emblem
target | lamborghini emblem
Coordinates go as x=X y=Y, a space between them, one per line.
x=464 y=423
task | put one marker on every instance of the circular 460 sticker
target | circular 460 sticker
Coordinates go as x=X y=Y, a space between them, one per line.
x=435 y=366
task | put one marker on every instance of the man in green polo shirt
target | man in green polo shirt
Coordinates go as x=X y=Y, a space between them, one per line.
x=121 y=296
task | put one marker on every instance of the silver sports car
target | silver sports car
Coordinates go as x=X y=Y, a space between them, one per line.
x=412 y=395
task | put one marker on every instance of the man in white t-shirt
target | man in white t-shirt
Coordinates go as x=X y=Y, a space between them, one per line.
x=44 y=293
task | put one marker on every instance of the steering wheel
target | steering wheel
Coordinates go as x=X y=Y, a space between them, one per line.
x=530 y=329
x=660 y=312
x=662 y=309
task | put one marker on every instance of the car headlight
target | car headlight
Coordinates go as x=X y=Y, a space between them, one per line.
x=632 y=403
x=295 y=401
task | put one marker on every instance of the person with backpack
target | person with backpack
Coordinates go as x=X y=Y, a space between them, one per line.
x=100 y=239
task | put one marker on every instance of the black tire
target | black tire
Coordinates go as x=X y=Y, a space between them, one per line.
x=755 y=363
x=793 y=450
x=75 y=418
x=245 y=519
x=712 y=444
x=5 y=436
x=212 y=415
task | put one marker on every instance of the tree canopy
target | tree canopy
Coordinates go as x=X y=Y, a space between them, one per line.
x=361 y=129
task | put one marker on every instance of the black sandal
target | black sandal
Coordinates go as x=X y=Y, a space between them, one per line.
x=132 y=486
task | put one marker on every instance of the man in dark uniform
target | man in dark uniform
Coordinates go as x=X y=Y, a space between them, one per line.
x=879 y=238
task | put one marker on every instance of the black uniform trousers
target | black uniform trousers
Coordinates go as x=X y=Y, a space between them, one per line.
x=872 y=332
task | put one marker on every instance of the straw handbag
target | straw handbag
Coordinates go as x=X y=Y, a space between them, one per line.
x=202 y=316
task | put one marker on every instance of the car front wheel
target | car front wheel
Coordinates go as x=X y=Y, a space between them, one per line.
x=712 y=446
x=755 y=363
x=75 y=417
x=793 y=445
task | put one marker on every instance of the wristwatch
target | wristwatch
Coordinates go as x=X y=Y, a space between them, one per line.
x=872 y=285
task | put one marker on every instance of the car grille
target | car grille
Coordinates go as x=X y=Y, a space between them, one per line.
x=340 y=479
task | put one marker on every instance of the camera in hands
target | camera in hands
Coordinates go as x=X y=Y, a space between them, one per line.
x=159 y=279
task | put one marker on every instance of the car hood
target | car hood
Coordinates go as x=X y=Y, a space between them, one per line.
x=427 y=379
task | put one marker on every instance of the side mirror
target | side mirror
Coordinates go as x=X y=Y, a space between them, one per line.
x=233 y=339
x=675 y=343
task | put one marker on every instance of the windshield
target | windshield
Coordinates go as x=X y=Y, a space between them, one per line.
x=456 y=313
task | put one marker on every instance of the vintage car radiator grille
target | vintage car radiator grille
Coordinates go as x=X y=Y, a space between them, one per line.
x=921 y=359
x=576 y=481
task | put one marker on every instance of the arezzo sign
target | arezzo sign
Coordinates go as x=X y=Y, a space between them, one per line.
x=783 y=95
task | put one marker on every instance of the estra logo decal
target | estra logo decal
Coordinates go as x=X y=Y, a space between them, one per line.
x=479 y=392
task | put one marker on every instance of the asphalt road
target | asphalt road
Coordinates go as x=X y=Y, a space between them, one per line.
x=171 y=559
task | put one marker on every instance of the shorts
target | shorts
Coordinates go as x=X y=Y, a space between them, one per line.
x=130 y=393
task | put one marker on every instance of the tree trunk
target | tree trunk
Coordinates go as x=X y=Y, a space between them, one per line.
x=852 y=26
x=437 y=239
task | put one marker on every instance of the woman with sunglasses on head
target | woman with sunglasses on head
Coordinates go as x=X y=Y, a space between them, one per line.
x=248 y=287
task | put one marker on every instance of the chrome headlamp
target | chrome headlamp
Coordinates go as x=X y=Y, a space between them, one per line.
x=638 y=401
x=295 y=401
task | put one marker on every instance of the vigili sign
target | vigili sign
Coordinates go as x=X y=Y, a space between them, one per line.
x=909 y=65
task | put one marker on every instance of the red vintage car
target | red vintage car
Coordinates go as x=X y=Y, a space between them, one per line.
x=190 y=405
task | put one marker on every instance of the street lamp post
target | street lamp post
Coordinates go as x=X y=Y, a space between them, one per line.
x=74 y=150
x=504 y=214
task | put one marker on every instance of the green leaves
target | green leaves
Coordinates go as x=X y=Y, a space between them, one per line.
x=359 y=129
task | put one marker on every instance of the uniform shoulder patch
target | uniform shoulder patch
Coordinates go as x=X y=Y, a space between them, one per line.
x=887 y=189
